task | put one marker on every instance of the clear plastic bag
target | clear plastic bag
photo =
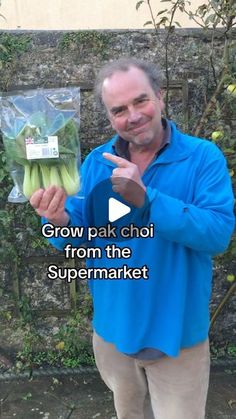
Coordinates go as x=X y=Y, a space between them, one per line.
x=40 y=135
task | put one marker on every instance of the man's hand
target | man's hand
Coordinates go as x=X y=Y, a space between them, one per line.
x=50 y=203
x=123 y=178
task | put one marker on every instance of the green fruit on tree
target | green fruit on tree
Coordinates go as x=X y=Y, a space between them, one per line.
x=230 y=278
x=232 y=89
x=217 y=135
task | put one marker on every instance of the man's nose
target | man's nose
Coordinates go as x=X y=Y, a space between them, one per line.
x=134 y=115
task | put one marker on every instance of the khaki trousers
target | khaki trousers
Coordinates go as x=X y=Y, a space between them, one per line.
x=167 y=388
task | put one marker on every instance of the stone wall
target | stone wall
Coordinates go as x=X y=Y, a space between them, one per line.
x=54 y=59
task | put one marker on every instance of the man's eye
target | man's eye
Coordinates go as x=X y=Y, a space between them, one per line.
x=118 y=112
x=142 y=100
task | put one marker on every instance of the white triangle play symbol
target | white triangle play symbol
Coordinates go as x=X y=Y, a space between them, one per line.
x=116 y=209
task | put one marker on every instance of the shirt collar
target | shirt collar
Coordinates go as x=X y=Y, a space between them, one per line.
x=121 y=146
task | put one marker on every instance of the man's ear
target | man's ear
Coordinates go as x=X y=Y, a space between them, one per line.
x=109 y=118
x=113 y=125
x=160 y=94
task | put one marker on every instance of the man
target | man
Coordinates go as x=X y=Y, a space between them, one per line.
x=151 y=335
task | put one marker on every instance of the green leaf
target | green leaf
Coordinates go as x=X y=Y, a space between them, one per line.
x=164 y=20
x=178 y=24
x=27 y=396
x=3 y=17
x=231 y=349
x=161 y=12
x=149 y=22
x=210 y=19
x=217 y=21
x=4 y=49
x=230 y=151
x=190 y=15
x=202 y=10
x=139 y=4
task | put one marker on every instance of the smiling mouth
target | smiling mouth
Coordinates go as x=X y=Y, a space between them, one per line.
x=139 y=129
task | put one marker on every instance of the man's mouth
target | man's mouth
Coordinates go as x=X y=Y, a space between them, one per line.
x=138 y=129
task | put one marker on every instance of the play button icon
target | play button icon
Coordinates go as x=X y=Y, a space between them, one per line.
x=116 y=209
x=104 y=207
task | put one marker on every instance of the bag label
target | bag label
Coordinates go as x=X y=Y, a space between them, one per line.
x=42 y=148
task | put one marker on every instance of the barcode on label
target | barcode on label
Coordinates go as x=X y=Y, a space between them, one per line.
x=48 y=152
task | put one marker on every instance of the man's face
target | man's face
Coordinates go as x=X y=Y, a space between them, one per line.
x=134 y=109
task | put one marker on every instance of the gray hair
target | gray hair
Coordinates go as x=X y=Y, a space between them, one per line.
x=151 y=70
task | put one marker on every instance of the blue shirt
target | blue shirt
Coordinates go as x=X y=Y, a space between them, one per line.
x=190 y=202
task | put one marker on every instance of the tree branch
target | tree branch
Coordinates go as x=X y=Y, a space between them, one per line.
x=230 y=292
x=210 y=105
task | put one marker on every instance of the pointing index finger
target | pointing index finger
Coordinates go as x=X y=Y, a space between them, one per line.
x=119 y=161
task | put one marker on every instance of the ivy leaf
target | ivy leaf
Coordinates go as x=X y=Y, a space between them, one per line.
x=139 y=4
